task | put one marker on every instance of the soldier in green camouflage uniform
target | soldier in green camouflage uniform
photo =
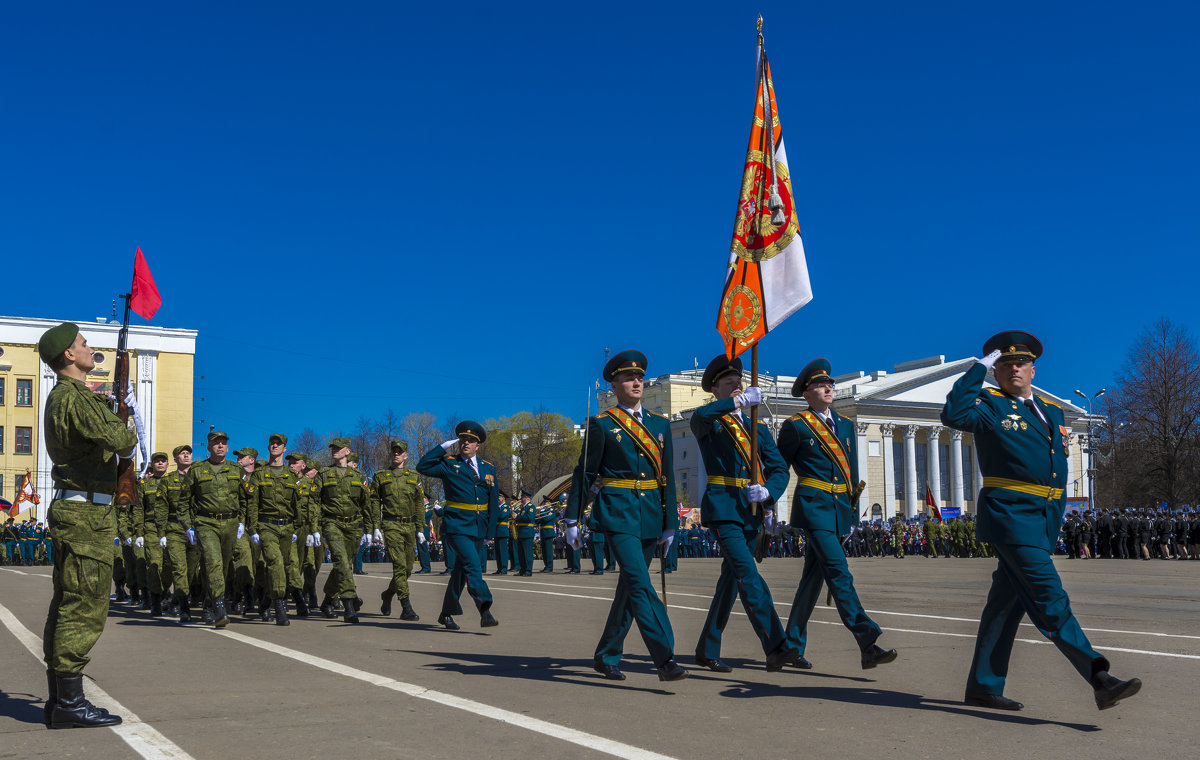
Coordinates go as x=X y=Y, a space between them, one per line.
x=150 y=514
x=273 y=506
x=246 y=556
x=402 y=508
x=124 y=563
x=213 y=497
x=312 y=556
x=83 y=438
x=183 y=553
x=346 y=522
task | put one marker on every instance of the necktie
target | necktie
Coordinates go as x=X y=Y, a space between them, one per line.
x=829 y=424
x=638 y=415
x=474 y=467
x=1033 y=408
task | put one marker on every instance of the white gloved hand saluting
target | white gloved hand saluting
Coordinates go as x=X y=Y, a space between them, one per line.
x=989 y=361
x=752 y=396
x=447 y=444
x=757 y=492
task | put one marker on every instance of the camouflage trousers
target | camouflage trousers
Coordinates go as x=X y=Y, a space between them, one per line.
x=401 y=541
x=216 y=539
x=243 y=562
x=151 y=576
x=183 y=557
x=83 y=535
x=343 y=540
x=280 y=559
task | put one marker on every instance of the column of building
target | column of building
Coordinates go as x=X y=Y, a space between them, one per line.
x=910 y=470
x=957 y=498
x=889 y=472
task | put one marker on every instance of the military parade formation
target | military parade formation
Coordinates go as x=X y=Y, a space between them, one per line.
x=250 y=535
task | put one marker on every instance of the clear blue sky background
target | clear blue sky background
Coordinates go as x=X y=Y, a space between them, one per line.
x=379 y=205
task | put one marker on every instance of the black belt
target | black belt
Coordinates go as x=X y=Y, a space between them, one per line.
x=224 y=516
x=401 y=520
x=282 y=521
x=346 y=520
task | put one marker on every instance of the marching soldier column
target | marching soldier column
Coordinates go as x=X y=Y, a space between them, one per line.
x=402 y=512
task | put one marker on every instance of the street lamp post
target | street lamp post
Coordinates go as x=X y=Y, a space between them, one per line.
x=1091 y=445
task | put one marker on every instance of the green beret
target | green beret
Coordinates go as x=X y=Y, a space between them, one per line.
x=185 y=447
x=471 y=429
x=277 y=437
x=56 y=340
x=158 y=455
x=339 y=443
x=217 y=434
x=398 y=445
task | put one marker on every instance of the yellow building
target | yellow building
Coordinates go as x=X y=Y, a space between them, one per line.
x=160 y=367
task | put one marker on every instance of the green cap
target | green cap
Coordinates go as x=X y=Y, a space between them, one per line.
x=185 y=447
x=339 y=443
x=352 y=456
x=398 y=445
x=277 y=437
x=56 y=340
x=215 y=435
x=158 y=455
x=296 y=456
x=247 y=451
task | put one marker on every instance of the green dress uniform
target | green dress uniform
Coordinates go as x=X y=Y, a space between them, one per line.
x=500 y=537
x=722 y=433
x=468 y=518
x=525 y=520
x=345 y=518
x=824 y=454
x=273 y=504
x=1022 y=447
x=214 y=499
x=401 y=508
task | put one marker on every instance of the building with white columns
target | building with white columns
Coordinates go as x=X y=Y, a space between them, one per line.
x=160 y=367
x=902 y=445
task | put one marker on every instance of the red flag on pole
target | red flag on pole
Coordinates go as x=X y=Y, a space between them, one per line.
x=929 y=502
x=143 y=294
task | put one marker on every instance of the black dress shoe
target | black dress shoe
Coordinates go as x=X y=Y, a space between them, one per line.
x=1109 y=690
x=447 y=622
x=877 y=655
x=611 y=672
x=992 y=701
x=784 y=655
x=671 y=671
x=715 y=664
x=487 y=619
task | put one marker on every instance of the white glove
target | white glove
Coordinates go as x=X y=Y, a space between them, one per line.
x=420 y=538
x=254 y=539
x=191 y=534
x=573 y=538
x=241 y=530
x=757 y=492
x=366 y=539
x=990 y=360
x=116 y=542
x=668 y=538
x=769 y=521
x=139 y=542
x=129 y=542
x=377 y=535
x=294 y=537
x=316 y=539
x=447 y=444
x=130 y=397
x=308 y=540
x=163 y=542
x=752 y=396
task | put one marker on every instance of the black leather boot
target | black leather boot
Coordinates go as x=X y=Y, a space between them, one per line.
x=185 y=611
x=156 y=605
x=73 y=711
x=51 y=700
x=385 y=609
x=144 y=598
x=220 y=617
x=264 y=611
x=301 y=604
x=351 y=614
x=121 y=596
x=207 y=614
x=248 y=596
x=406 y=610
x=281 y=617
x=327 y=607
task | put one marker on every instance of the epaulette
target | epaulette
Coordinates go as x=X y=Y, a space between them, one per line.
x=995 y=391
x=656 y=414
x=486 y=462
x=1045 y=400
x=795 y=417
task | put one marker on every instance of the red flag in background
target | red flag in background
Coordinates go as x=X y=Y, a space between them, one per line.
x=143 y=294
x=929 y=502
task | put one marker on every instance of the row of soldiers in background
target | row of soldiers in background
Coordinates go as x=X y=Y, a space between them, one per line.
x=953 y=537
x=1131 y=534
x=25 y=543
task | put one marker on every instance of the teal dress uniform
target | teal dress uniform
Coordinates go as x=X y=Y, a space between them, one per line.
x=630 y=462
x=423 y=546
x=726 y=510
x=598 y=545
x=468 y=518
x=1021 y=507
x=526 y=522
x=501 y=536
x=545 y=523
x=825 y=460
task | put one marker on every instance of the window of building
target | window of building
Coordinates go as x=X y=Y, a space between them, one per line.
x=24 y=392
x=24 y=441
x=1 y=391
x=1 y=446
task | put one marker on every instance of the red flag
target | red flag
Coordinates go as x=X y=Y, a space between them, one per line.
x=929 y=502
x=143 y=294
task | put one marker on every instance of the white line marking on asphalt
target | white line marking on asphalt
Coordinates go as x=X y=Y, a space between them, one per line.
x=589 y=741
x=144 y=739
x=18 y=572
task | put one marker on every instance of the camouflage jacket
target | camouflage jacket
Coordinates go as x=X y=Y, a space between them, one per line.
x=83 y=438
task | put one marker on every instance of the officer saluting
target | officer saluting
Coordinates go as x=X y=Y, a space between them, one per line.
x=1022 y=444
x=627 y=460
x=468 y=519
x=821 y=446
x=721 y=429
x=83 y=438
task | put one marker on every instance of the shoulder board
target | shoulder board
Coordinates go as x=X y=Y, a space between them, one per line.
x=763 y=422
x=656 y=414
x=1048 y=402
x=487 y=462
x=795 y=417
x=994 y=391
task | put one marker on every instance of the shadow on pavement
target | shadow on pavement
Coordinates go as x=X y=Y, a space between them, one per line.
x=24 y=708
x=542 y=669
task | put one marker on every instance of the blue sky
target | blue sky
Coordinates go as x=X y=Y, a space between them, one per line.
x=376 y=205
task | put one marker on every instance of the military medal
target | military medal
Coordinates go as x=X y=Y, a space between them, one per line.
x=1006 y=424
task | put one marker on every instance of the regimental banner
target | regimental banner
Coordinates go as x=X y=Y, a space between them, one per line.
x=767 y=278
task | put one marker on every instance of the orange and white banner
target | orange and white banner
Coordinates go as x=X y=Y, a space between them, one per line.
x=767 y=278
